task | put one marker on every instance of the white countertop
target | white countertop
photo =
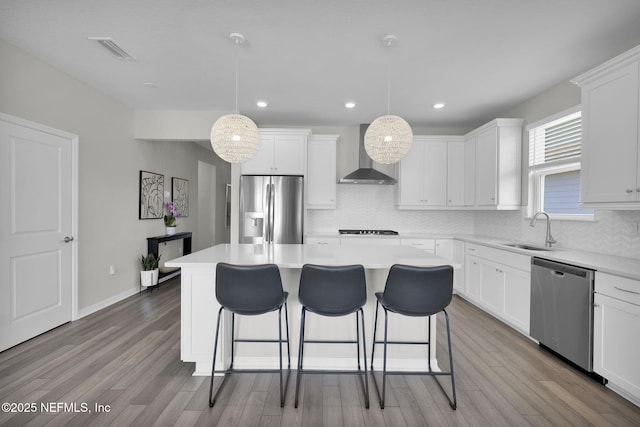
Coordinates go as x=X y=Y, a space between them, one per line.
x=295 y=256
x=621 y=266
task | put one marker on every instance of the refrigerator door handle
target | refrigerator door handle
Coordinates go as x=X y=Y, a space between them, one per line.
x=267 y=222
x=272 y=213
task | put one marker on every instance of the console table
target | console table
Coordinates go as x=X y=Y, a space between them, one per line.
x=153 y=244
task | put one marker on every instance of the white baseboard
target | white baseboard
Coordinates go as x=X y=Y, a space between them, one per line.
x=106 y=303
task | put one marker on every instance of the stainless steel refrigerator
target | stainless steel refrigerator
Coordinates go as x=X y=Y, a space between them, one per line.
x=271 y=209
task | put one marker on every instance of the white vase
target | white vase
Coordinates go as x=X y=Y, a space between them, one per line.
x=149 y=277
x=171 y=231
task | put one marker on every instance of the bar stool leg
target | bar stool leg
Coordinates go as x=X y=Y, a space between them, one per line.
x=364 y=359
x=212 y=399
x=375 y=329
x=280 y=352
x=358 y=340
x=286 y=321
x=429 y=343
x=300 y=354
x=384 y=358
x=453 y=403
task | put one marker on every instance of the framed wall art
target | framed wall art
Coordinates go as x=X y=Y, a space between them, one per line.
x=151 y=195
x=180 y=195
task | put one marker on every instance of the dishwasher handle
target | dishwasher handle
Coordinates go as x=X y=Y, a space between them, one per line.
x=556 y=273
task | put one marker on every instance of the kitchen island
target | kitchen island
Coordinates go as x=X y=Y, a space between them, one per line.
x=199 y=307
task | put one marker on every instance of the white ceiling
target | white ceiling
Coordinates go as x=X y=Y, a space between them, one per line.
x=306 y=58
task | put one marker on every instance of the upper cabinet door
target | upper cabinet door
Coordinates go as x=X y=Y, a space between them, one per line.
x=281 y=152
x=610 y=137
x=455 y=173
x=434 y=173
x=290 y=155
x=431 y=175
x=262 y=162
x=486 y=167
x=321 y=172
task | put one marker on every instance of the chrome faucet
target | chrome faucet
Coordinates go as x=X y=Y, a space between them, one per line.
x=549 y=240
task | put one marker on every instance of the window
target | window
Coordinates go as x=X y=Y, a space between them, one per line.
x=554 y=166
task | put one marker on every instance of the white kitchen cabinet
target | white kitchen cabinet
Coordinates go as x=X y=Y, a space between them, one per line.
x=321 y=172
x=472 y=277
x=470 y=171
x=428 y=245
x=281 y=152
x=610 y=133
x=616 y=322
x=492 y=285
x=517 y=297
x=499 y=282
x=444 y=248
x=459 y=273
x=431 y=176
x=370 y=241
x=315 y=240
x=497 y=174
x=455 y=173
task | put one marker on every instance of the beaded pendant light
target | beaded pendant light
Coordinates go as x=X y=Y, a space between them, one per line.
x=388 y=138
x=234 y=137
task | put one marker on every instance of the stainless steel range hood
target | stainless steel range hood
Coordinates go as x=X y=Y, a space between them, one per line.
x=366 y=174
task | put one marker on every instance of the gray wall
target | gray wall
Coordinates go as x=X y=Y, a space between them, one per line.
x=109 y=163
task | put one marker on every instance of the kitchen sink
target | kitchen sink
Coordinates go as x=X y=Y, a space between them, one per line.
x=527 y=247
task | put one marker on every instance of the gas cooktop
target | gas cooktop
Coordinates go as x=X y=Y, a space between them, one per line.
x=369 y=232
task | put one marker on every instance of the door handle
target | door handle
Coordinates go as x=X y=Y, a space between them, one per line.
x=67 y=239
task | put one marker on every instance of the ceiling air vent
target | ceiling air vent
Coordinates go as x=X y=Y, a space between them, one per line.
x=112 y=46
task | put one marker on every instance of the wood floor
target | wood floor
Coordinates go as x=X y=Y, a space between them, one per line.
x=126 y=359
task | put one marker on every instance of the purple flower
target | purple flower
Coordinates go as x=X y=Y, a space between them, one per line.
x=172 y=214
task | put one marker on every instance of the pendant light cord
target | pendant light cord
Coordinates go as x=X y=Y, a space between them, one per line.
x=237 y=42
x=388 y=87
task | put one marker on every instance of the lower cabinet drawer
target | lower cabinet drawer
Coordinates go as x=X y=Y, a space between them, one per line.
x=618 y=287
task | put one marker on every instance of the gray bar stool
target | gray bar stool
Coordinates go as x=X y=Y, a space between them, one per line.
x=416 y=292
x=250 y=290
x=333 y=291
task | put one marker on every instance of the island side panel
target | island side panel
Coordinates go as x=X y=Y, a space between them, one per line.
x=199 y=310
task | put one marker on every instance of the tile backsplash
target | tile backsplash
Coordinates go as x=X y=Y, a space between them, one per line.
x=373 y=207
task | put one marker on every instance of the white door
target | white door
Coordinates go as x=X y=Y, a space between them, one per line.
x=206 y=235
x=36 y=247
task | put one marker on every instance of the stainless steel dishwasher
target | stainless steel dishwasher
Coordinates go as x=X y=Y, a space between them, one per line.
x=562 y=310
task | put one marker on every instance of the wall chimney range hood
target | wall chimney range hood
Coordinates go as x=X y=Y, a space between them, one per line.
x=366 y=174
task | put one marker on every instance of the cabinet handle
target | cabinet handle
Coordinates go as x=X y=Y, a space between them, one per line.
x=595 y=305
x=629 y=191
x=627 y=290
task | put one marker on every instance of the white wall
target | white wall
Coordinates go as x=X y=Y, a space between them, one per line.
x=109 y=163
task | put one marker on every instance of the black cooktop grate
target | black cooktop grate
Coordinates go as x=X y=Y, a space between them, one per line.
x=369 y=232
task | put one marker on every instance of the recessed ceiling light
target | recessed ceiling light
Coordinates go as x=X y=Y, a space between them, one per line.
x=350 y=104
x=151 y=85
x=261 y=104
x=438 y=105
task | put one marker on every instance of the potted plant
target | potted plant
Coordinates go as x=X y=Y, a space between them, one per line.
x=150 y=270
x=170 y=217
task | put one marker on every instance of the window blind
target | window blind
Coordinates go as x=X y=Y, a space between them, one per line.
x=556 y=141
